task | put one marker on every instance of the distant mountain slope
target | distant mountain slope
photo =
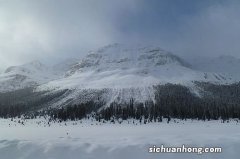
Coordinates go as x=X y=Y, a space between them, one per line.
x=27 y=75
x=227 y=65
x=32 y=74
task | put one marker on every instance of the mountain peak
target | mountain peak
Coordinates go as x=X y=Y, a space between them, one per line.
x=119 y=47
x=124 y=56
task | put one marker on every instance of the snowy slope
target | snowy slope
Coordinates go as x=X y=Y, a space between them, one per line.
x=120 y=72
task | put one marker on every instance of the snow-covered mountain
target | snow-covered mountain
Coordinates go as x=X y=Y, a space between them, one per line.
x=117 y=73
x=114 y=73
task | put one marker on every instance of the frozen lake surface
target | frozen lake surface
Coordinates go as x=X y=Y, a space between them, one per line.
x=37 y=139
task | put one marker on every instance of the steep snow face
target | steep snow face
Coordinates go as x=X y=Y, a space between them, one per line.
x=28 y=75
x=127 y=72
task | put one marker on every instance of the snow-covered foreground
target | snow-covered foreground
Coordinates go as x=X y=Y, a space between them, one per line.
x=86 y=140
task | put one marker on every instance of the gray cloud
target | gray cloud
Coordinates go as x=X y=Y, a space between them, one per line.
x=57 y=29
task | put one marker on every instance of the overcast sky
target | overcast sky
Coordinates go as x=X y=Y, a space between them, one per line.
x=51 y=30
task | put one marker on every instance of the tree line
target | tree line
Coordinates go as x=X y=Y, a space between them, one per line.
x=171 y=101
